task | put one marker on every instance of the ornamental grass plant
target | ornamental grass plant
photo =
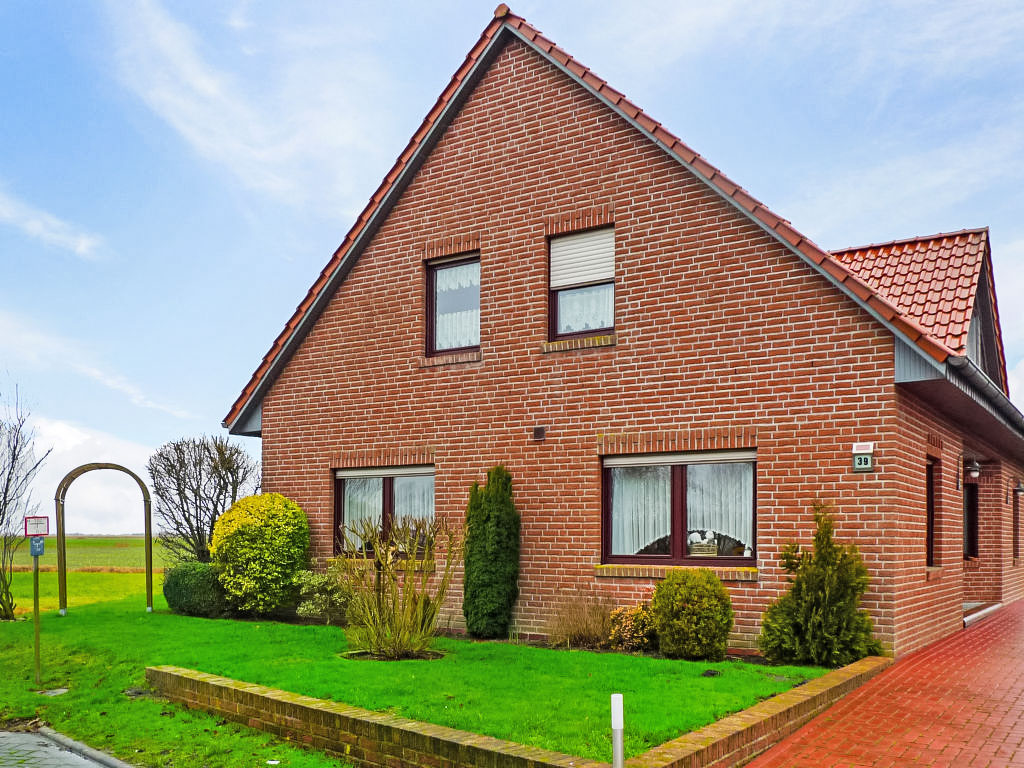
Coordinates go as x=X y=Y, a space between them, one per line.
x=396 y=585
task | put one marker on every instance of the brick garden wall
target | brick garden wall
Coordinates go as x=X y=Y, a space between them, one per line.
x=722 y=338
x=382 y=740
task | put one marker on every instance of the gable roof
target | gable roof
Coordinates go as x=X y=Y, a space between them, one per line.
x=504 y=27
x=934 y=280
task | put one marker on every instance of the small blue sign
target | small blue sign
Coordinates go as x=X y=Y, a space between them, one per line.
x=36 y=546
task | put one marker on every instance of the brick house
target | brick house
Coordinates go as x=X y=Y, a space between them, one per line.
x=549 y=279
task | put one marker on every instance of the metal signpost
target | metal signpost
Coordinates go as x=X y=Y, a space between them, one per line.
x=36 y=527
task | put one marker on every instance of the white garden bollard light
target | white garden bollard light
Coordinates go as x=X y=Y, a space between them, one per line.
x=617 y=726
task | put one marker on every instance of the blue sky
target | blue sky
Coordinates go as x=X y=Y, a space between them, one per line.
x=173 y=176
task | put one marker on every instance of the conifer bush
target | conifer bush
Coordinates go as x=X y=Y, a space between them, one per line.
x=491 y=575
x=259 y=546
x=819 y=620
x=192 y=589
x=632 y=629
x=692 y=615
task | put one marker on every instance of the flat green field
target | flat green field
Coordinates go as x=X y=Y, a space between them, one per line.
x=84 y=588
x=96 y=552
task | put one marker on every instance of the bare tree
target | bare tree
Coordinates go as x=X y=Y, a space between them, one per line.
x=195 y=480
x=18 y=468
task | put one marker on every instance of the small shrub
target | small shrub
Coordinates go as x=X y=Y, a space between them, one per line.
x=692 y=615
x=819 y=620
x=491 y=576
x=193 y=589
x=325 y=596
x=259 y=545
x=633 y=629
x=580 y=620
x=396 y=593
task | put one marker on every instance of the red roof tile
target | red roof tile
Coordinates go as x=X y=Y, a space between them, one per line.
x=503 y=19
x=931 y=280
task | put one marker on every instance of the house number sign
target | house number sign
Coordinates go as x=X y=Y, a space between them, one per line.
x=863 y=457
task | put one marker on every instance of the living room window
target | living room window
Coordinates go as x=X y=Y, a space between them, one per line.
x=453 y=305
x=581 y=300
x=674 y=508
x=384 y=495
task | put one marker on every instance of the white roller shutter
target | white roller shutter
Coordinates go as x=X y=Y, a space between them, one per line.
x=587 y=257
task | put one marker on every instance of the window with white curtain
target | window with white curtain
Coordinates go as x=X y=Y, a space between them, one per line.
x=679 y=507
x=453 y=305
x=384 y=495
x=582 y=283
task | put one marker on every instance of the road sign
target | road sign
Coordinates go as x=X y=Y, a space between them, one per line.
x=36 y=546
x=37 y=525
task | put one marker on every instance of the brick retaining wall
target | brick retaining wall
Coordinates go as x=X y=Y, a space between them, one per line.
x=382 y=740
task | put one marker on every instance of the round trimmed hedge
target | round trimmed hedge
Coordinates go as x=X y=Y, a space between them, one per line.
x=259 y=545
x=193 y=589
x=692 y=615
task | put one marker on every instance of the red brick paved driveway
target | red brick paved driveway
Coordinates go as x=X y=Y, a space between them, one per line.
x=958 y=702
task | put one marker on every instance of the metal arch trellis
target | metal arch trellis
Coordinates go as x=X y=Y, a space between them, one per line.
x=62 y=490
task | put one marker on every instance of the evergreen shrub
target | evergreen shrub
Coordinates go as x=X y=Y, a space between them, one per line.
x=325 y=596
x=193 y=589
x=259 y=546
x=819 y=620
x=632 y=629
x=692 y=615
x=491 y=575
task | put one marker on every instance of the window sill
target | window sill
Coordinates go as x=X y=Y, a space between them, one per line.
x=933 y=573
x=451 y=359
x=586 y=342
x=724 y=572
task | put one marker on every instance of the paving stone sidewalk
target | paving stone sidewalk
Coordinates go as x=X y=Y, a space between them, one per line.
x=34 y=750
x=959 y=702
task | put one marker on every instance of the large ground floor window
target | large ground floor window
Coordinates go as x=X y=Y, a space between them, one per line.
x=384 y=495
x=674 y=508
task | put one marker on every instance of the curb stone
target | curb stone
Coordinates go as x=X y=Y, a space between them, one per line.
x=82 y=749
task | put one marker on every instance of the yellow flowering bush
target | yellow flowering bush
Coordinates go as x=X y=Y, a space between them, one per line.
x=259 y=546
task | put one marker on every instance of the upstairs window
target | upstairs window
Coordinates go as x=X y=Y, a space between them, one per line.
x=672 y=508
x=582 y=284
x=453 y=305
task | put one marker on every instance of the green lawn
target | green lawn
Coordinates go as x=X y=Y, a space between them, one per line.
x=537 y=696
x=96 y=552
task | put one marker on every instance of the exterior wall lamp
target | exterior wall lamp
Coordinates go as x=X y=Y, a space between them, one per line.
x=1018 y=489
x=971 y=467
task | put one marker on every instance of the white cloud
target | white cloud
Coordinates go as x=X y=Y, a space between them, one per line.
x=845 y=205
x=102 y=501
x=287 y=108
x=47 y=228
x=879 y=41
x=22 y=344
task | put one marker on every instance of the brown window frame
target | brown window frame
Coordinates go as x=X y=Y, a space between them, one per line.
x=677 y=526
x=431 y=303
x=1016 y=525
x=931 y=472
x=970 y=521
x=387 y=505
x=554 y=335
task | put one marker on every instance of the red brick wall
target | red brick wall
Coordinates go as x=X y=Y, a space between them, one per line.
x=717 y=327
x=929 y=601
